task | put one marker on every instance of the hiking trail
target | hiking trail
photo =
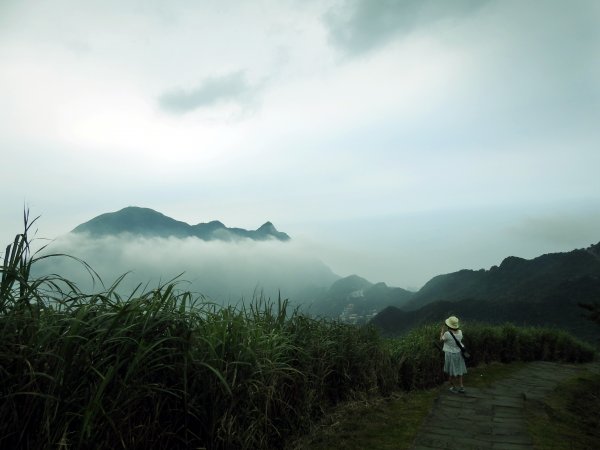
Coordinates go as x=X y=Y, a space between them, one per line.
x=493 y=417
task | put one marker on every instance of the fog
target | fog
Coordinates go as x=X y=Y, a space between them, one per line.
x=226 y=272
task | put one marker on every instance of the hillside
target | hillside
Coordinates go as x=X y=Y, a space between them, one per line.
x=149 y=223
x=515 y=278
x=543 y=291
x=354 y=299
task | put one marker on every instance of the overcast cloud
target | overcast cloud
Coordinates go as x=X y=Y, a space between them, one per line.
x=398 y=140
x=227 y=88
x=357 y=26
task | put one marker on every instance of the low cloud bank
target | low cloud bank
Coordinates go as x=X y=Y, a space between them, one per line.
x=227 y=272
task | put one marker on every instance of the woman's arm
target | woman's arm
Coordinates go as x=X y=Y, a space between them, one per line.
x=442 y=333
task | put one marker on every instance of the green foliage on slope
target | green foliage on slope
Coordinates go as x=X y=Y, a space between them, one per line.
x=516 y=279
x=568 y=418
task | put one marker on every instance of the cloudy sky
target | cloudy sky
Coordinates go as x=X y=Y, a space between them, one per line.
x=393 y=139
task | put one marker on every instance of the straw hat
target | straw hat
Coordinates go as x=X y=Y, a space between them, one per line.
x=452 y=322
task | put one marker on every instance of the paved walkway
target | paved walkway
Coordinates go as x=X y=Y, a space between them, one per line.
x=492 y=418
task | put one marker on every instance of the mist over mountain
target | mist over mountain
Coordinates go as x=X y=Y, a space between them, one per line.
x=227 y=265
x=230 y=265
x=224 y=271
x=149 y=223
x=543 y=291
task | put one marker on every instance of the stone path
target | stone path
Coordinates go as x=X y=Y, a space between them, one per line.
x=492 y=418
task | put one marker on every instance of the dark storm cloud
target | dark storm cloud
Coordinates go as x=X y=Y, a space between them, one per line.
x=362 y=25
x=232 y=87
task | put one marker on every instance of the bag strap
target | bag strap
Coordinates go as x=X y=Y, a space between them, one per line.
x=456 y=340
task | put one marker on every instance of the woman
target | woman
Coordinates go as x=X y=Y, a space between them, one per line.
x=454 y=364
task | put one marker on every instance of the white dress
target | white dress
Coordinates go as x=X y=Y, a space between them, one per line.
x=454 y=363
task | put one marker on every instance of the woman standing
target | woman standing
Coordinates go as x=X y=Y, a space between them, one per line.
x=454 y=363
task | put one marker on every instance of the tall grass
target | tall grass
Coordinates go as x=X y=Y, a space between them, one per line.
x=419 y=359
x=164 y=369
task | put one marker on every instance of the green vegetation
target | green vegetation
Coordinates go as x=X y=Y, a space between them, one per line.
x=419 y=360
x=568 y=418
x=509 y=343
x=164 y=369
x=380 y=423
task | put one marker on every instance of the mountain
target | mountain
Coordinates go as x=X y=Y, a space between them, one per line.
x=306 y=281
x=149 y=223
x=225 y=265
x=515 y=278
x=543 y=291
x=354 y=299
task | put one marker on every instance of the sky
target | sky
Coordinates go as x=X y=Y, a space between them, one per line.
x=396 y=140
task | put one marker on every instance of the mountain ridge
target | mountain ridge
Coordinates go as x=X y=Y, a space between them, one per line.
x=150 y=223
x=542 y=291
x=514 y=278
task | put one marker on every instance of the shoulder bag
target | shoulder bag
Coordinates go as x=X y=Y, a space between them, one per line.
x=465 y=354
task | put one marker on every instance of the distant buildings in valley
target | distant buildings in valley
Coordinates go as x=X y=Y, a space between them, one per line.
x=353 y=315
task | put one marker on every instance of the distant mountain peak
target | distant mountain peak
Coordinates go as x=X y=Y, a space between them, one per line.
x=269 y=229
x=512 y=262
x=150 y=223
x=351 y=283
x=267 y=226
